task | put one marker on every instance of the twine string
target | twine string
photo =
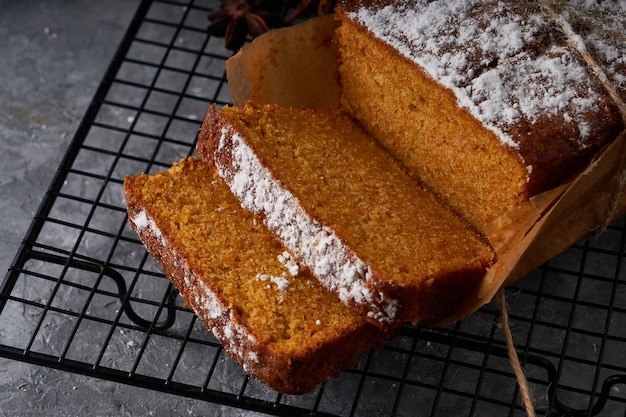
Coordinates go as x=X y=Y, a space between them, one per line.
x=513 y=357
x=562 y=17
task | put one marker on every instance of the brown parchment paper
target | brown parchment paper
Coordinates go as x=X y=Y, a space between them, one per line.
x=293 y=67
x=296 y=66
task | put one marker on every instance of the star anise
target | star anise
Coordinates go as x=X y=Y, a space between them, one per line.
x=304 y=8
x=235 y=19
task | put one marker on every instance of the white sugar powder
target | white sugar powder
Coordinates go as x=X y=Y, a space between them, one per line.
x=290 y=264
x=232 y=334
x=485 y=60
x=142 y=222
x=281 y=282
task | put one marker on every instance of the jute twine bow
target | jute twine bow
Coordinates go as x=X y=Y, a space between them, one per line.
x=563 y=16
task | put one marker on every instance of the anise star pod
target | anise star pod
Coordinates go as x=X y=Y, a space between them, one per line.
x=235 y=19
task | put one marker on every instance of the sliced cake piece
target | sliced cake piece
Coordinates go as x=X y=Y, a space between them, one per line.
x=347 y=210
x=276 y=320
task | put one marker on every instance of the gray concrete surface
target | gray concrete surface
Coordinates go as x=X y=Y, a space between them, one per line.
x=53 y=56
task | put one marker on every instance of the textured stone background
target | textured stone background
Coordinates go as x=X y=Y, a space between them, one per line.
x=54 y=54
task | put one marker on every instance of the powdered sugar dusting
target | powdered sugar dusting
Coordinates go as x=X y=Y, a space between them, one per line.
x=485 y=59
x=312 y=243
x=289 y=263
x=143 y=222
x=281 y=282
x=140 y=220
x=233 y=335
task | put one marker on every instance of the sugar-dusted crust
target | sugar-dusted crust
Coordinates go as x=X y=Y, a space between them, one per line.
x=509 y=65
x=292 y=370
x=505 y=69
x=427 y=288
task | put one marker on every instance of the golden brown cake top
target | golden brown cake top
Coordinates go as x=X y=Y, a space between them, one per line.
x=517 y=66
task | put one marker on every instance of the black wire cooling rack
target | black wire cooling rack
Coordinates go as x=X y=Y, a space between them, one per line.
x=83 y=295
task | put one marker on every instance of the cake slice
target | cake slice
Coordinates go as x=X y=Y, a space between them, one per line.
x=485 y=101
x=276 y=320
x=346 y=210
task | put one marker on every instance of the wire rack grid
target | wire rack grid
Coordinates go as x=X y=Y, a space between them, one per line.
x=83 y=295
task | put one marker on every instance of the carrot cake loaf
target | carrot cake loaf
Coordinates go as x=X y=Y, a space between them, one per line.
x=487 y=102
